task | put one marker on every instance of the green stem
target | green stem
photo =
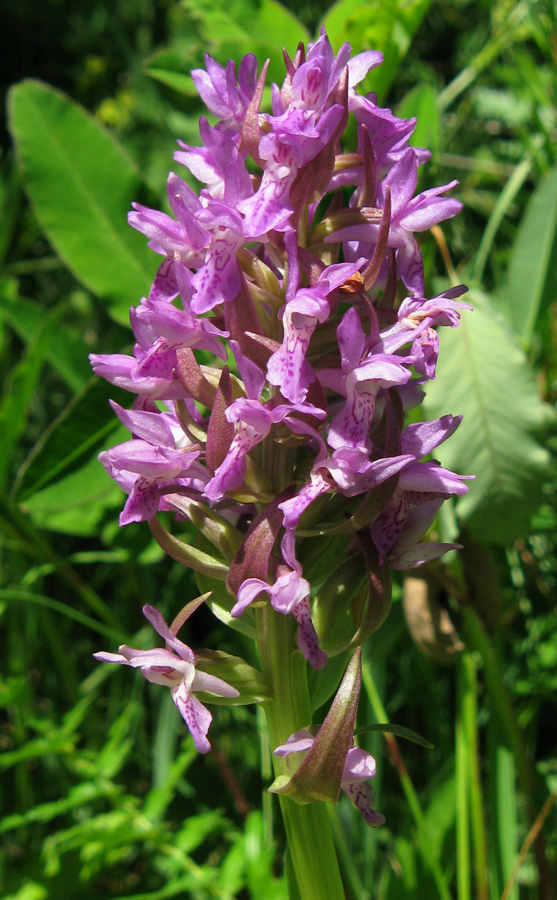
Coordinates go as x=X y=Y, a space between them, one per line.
x=308 y=830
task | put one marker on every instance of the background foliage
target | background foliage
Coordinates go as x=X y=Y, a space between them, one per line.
x=101 y=791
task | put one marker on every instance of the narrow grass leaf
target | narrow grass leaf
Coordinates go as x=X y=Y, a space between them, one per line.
x=532 y=277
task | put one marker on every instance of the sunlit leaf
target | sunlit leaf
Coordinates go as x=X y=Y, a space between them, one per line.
x=380 y=25
x=81 y=184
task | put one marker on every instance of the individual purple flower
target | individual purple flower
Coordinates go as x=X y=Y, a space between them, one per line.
x=289 y=594
x=359 y=768
x=175 y=668
x=361 y=379
x=388 y=133
x=218 y=164
x=421 y=489
x=150 y=463
x=416 y=315
x=181 y=240
x=409 y=214
x=288 y=367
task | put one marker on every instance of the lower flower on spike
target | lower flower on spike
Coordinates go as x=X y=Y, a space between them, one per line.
x=359 y=767
x=174 y=666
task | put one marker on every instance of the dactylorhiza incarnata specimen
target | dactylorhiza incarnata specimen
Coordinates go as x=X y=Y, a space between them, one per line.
x=288 y=450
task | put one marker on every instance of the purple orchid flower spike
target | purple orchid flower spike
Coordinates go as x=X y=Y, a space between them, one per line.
x=175 y=668
x=271 y=386
x=359 y=768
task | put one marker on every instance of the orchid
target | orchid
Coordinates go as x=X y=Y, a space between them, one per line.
x=272 y=372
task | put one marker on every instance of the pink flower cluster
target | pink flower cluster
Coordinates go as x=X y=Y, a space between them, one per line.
x=284 y=267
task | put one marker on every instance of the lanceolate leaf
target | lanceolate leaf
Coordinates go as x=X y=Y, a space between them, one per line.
x=532 y=277
x=484 y=375
x=399 y=731
x=81 y=184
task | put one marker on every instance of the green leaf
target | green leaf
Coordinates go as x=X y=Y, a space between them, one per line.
x=64 y=609
x=221 y=602
x=484 y=375
x=81 y=184
x=233 y=28
x=77 y=503
x=386 y=25
x=236 y=672
x=21 y=389
x=399 y=731
x=532 y=276
x=79 y=430
x=421 y=103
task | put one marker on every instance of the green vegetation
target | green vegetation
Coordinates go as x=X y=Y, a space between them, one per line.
x=102 y=792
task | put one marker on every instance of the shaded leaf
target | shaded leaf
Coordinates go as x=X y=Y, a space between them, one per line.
x=64 y=350
x=80 y=429
x=75 y=504
x=398 y=731
x=483 y=375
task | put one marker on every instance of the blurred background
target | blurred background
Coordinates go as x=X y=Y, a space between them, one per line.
x=102 y=793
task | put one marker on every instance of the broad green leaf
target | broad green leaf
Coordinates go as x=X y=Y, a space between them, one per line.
x=81 y=184
x=532 y=276
x=483 y=374
x=176 y=80
x=173 y=69
x=64 y=350
x=386 y=25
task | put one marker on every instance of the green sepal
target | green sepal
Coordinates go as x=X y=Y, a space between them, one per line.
x=249 y=682
x=221 y=602
x=221 y=533
x=187 y=555
x=318 y=779
x=354 y=601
